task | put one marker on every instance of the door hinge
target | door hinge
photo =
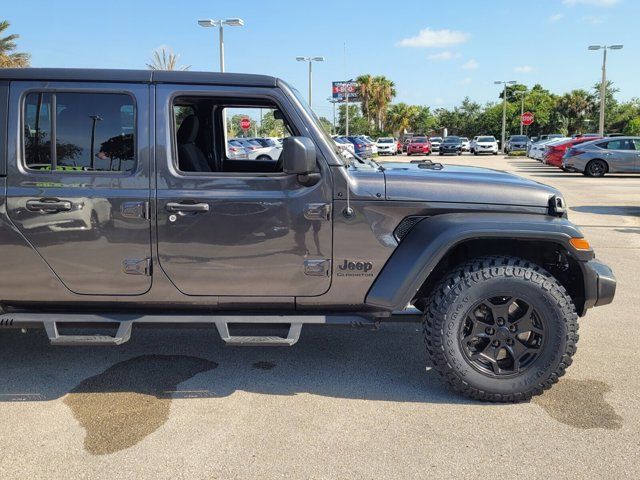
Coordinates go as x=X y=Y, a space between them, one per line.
x=317 y=267
x=136 y=210
x=317 y=211
x=136 y=266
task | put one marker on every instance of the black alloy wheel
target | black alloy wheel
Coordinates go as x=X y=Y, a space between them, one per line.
x=502 y=335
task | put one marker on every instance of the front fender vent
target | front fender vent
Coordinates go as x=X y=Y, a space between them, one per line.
x=405 y=226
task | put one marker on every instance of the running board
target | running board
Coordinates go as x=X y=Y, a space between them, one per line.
x=255 y=340
x=123 y=334
x=125 y=322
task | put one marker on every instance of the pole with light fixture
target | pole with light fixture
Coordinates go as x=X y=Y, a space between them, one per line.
x=310 y=60
x=231 y=22
x=524 y=94
x=603 y=84
x=504 y=107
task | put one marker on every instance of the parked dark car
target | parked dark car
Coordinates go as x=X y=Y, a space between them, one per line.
x=362 y=147
x=139 y=216
x=516 y=143
x=451 y=145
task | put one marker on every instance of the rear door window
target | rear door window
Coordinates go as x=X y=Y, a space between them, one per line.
x=92 y=132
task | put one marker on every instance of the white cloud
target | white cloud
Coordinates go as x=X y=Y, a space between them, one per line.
x=523 y=69
x=470 y=65
x=446 y=55
x=556 y=18
x=439 y=101
x=465 y=81
x=595 y=3
x=428 y=38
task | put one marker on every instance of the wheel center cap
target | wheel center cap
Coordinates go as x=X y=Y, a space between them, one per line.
x=503 y=333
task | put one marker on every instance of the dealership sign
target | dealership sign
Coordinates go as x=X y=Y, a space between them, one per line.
x=341 y=90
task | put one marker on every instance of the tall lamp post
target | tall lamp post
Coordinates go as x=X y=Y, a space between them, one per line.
x=333 y=101
x=310 y=60
x=523 y=93
x=231 y=22
x=603 y=84
x=504 y=107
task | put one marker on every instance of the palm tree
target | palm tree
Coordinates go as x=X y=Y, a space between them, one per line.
x=401 y=116
x=576 y=106
x=7 y=46
x=365 y=87
x=383 y=92
x=165 y=60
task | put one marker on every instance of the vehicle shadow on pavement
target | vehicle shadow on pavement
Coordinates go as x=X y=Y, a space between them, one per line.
x=389 y=364
x=623 y=210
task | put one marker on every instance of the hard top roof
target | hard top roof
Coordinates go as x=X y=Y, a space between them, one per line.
x=136 y=76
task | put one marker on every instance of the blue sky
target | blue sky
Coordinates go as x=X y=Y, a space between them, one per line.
x=436 y=52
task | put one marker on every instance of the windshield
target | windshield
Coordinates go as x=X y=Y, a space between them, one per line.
x=486 y=139
x=385 y=140
x=464 y=139
x=519 y=138
x=436 y=139
x=452 y=140
x=419 y=140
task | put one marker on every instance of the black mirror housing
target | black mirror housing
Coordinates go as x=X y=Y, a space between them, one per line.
x=298 y=156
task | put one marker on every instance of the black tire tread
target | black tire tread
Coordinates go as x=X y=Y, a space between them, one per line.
x=475 y=271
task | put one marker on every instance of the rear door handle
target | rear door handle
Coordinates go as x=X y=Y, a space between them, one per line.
x=49 y=205
x=187 y=207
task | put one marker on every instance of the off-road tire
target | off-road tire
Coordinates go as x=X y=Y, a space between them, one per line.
x=447 y=308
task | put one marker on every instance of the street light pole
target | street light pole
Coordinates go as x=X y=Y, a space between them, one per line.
x=504 y=108
x=231 y=22
x=310 y=60
x=603 y=83
x=524 y=94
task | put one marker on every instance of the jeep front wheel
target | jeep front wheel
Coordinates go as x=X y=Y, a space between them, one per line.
x=500 y=329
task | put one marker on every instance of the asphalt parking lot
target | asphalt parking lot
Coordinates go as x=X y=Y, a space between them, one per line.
x=342 y=403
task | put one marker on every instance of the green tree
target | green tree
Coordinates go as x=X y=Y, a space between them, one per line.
x=365 y=91
x=9 y=58
x=382 y=95
x=402 y=118
x=358 y=125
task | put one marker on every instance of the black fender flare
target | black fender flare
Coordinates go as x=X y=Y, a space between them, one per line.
x=430 y=239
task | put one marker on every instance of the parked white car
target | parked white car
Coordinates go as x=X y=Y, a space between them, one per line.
x=472 y=144
x=435 y=143
x=537 y=149
x=372 y=142
x=344 y=145
x=466 y=145
x=270 y=148
x=387 y=146
x=485 y=144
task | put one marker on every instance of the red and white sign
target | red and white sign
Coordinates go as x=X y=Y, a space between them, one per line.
x=245 y=123
x=527 y=118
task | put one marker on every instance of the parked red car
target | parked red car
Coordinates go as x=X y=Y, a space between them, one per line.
x=419 y=145
x=399 y=145
x=554 y=153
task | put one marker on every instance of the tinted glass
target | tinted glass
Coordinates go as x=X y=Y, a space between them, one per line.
x=419 y=140
x=518 y=138
x=37 y=131
x=452 y=140
x=618 y=145
x=486 y=139
x=94 y=131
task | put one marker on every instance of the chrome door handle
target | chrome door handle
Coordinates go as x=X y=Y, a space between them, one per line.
x=48 y=205
x=187 y=207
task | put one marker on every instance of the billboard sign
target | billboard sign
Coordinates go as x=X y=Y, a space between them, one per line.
x=340 y=91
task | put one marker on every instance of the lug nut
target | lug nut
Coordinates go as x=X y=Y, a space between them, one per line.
x=509 y=341
x=490 y=331
x=501 y=321
x=496 y=343
x=512 y=328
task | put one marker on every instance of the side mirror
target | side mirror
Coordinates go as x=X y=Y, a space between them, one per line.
x=299 y=157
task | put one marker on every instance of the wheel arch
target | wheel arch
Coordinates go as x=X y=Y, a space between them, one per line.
x=436 y=244
x=606 y=164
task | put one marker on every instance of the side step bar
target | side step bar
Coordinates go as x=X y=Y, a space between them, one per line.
x=264 y=341
x=125 y=323
x=123 y=334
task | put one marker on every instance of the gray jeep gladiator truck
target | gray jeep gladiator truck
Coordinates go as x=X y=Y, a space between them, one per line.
x=123 y=204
